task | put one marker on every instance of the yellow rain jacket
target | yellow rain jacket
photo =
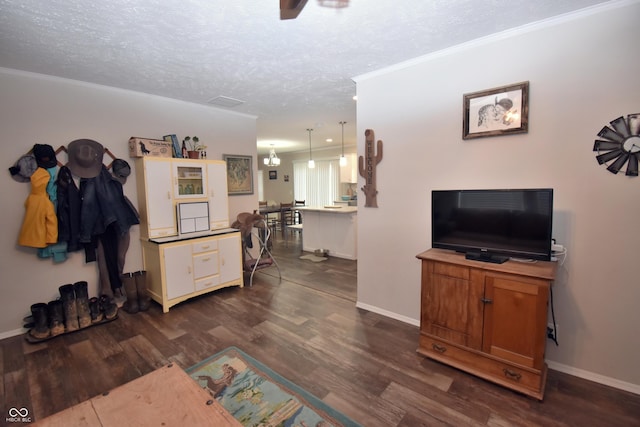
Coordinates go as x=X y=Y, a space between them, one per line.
x=40 y=224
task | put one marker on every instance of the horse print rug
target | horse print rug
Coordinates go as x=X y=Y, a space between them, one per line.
x=257 y=396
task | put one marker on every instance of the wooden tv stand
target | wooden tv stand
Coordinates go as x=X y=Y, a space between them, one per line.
x=489 y=320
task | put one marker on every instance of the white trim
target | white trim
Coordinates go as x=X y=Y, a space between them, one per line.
x=592 y=376
x=50 y=78
x=9 y=334
x=492 y=38
x=576 y=372
x=396 y=316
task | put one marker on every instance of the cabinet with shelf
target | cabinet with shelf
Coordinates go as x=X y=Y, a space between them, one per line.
x=182 y=269
x=162 y=183
x=486 y=319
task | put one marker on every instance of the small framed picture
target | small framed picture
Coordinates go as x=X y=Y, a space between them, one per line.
x=499 y=111
x=273 y=174
x=239 y=174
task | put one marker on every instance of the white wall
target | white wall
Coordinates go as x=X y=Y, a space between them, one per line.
x=39 y=109
x=583 y=73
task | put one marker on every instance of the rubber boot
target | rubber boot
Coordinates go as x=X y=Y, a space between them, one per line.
x=40 y=329
x=129 y=284
x=55 y=311
x=82 y=303
x=68 y=298
x=96 y=310
x=144 y=300
x=108 y=307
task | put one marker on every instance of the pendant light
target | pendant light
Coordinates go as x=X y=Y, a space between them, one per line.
x=312 y=164
x=343 y=159
x=272 y=160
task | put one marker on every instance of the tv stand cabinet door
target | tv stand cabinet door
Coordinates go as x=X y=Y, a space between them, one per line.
x=451 y=307
x=515 y=319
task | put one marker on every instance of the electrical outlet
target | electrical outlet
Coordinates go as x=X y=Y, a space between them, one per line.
x=552 y=330
x=557 y=248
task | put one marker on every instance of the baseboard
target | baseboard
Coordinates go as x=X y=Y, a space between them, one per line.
x=580 y=373
x=9 y=334
x=385 y=313
x=597 y=378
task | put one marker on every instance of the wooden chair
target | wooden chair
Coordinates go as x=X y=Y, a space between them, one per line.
x=284 y=218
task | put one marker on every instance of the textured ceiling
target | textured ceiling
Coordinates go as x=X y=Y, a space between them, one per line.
x=291 y=74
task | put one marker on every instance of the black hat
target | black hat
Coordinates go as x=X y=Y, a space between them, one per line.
x=120 y=168
x=45 y=156
x=24 y=168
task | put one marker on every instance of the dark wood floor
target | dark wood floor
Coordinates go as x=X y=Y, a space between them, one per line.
x=308 y=329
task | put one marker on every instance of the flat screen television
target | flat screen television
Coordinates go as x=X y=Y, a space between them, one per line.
x=493 y=225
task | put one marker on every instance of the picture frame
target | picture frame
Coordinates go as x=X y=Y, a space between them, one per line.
x=499 y=111
x=273 y=174
x=239 y=174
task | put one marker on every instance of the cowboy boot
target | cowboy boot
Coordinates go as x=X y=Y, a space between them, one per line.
x=129 y=284
x=144 y=300
x=55 y=311
x=82 y=303
x=95 y=310
x=68 y=298
x=40 y=329
x=108 y=307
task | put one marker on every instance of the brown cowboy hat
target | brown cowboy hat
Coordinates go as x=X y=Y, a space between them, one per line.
x=85 y=158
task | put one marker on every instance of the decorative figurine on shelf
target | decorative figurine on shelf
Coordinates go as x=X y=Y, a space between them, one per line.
x=184 y=149
x=194 y=149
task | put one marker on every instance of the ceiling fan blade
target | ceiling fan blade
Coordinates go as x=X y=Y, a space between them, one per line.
x=632 y=167
x=600 y=145
x=617 y=165
x=603 y=158
x=290 y=9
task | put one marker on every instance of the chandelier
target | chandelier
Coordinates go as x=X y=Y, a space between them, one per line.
x=273 y=160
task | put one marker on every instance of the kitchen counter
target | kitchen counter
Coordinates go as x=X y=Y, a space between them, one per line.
x=329 y=209
x=331 y=228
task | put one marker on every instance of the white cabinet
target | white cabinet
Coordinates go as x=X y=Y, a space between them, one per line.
x=155 y=198
x=162 y=183
x=181 y=269
x=217 y=194
x=349 y=172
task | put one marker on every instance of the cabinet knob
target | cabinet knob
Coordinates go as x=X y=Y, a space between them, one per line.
x=439 y=348
x=486 y=300
x=511 y=374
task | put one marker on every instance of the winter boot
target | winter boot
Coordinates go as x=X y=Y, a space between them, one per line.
x=129 y=284
x=144 y=300
x=96 y=311
x=68 y=298
x=40 y=329
x=56 y=317
x=82 y=303
x=108 y=307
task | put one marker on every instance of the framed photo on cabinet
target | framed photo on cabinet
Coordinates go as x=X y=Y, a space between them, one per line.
x=239 y=174
x=499 y=111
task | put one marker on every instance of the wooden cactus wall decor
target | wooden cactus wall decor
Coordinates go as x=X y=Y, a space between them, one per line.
x=367 y=168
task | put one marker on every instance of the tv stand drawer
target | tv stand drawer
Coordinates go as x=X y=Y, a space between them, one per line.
x=519 y=378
